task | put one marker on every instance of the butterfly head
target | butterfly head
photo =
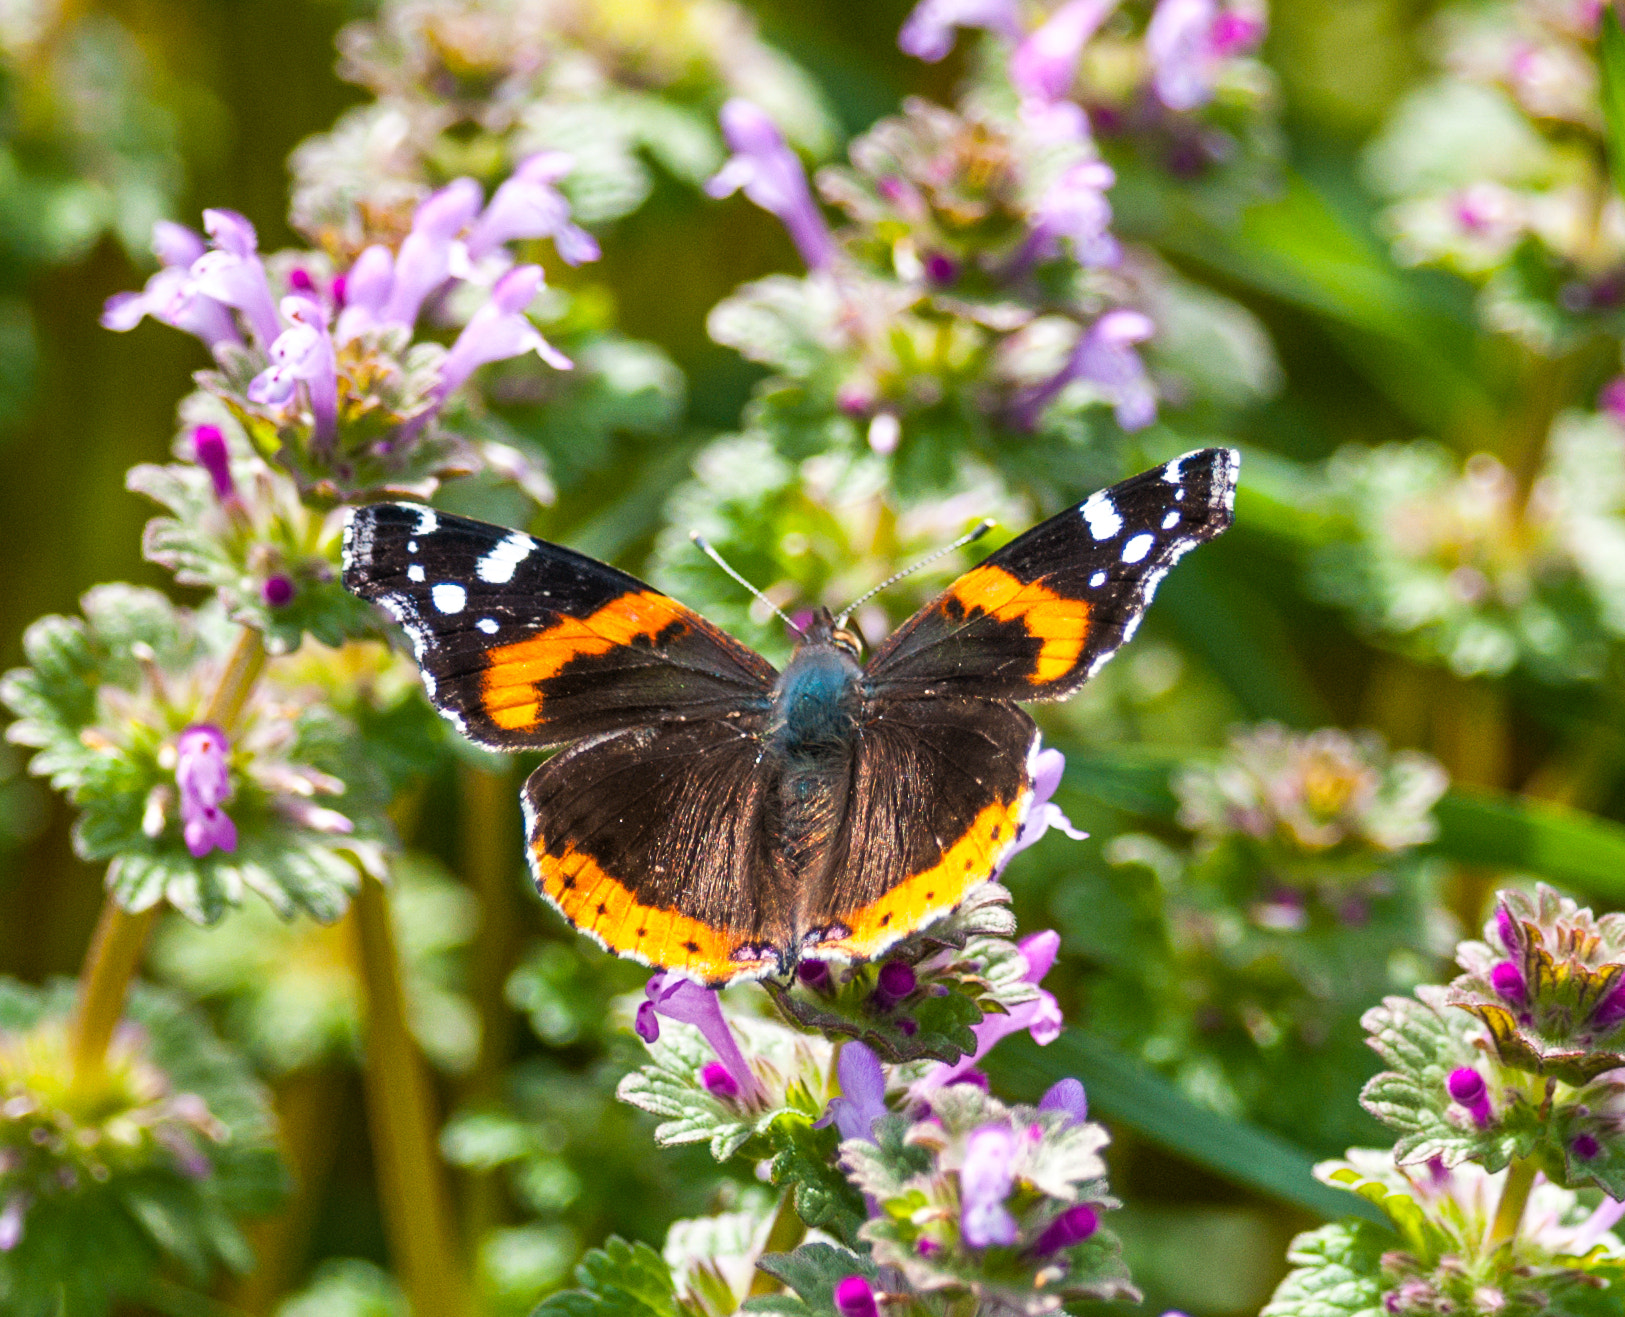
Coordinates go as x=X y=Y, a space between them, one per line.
x=825 y=630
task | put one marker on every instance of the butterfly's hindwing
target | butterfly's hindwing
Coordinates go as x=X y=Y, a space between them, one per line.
x=1038 y=618
x=653 y=842
x=940 y=791
x=526 y=644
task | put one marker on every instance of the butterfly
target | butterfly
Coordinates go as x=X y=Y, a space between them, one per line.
x=719 y=818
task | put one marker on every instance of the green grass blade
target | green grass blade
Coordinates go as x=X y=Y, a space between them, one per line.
x=1568 y=846
x=1612 y=51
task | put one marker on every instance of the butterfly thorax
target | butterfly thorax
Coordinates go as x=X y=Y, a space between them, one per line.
x=817 y=699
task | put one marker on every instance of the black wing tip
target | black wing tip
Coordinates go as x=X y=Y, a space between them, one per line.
x=365 y=527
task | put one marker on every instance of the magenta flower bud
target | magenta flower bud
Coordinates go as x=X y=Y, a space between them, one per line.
x=719 y=1081
x=855 y=1298
x=985 y=1181
x=1067 y=1095
x=338 y=288
x=927 y=1247
x=1073 y=1226
x=1585 y=1147
x=1506 y=927
x=202 y=775
x=1467 y=1087
x=941 y=270
x=647 y=1022
x=300 y=281
x=908 y=1026
x=815 y=974
x=895 y=981
x=1610 y=1010
x=975 y=1078
x=277 y=592
x=1508 y=982
x=210 y=452
x=1612 y=398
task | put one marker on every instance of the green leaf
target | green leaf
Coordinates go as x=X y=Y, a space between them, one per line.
x=1126 y=1092
x=825 y=1198
x=618 y=1280
x=1611 y=53
x=812 y=1272
x=1337 y=1273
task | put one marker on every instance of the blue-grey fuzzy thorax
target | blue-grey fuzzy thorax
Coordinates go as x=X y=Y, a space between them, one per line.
x=815 y=704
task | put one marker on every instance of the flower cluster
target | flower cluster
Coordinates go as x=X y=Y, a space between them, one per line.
x=1498 y=169
x=1302 y=898
x=476 y=87
x=1460 y=564
x=113 y=701
x=320 y=368
x=146 y=1156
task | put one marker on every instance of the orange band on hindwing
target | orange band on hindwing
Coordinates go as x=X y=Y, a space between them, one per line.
x=607 y=911
x=924 y=897
x=510 y=689
x=1059 y=624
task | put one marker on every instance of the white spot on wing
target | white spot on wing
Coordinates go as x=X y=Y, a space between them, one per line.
x=415 y=573
x=1170 y=473
x=489 y=625
x=1136 y=549
x=497 y=567
x=428 y=523
x=1171 y=520
x=449 y=597
x=1097 y=580
x=411 y=546
x=1101 y=514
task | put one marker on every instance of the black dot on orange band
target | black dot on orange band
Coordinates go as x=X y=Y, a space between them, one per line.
x=569 y=884
x=691 y=947
x=602 y=908
x=884 y=920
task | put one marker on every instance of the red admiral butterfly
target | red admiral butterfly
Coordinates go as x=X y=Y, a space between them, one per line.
x=722 y=819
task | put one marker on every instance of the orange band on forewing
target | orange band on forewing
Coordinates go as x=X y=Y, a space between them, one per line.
x=606 y=910
x=930 y=894
x=1061 y=625
x=509 y=693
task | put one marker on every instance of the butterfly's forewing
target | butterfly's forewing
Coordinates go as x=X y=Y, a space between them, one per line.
x=1037 y=618
x=940 y=789
x=525 y=644
x=653 y=843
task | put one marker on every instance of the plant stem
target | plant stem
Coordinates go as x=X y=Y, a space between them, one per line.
x=120 y=936
x=104 y=982
x=1509 y=1211
x=783 y=1235
x=417 y=1211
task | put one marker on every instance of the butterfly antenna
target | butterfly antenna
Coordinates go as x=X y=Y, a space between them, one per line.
x=981 y=529
x=705 y=548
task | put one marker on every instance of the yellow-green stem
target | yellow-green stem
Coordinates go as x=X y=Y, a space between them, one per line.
x=121 y=936
x=400 y=1116
x=1509 y=1211
x=783 y=1235
x=104 y=982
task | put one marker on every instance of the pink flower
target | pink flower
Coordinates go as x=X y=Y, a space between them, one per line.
x=985 y=1181
x=928 y=31
x=770 y=174
x=205 y=785
x=684 y=1000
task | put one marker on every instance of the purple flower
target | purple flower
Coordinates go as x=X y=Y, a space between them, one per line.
x=529 y=206
x=985 y=1181
x=719 y=1081
x=1067 y=1095
x=367 y=286
x=928 y=31
x=1186 y=40
x=425 y=257
x=233 y=275
x=1610 y=1010
x=499 y=330
x=684 y=1000
x=815 y=974
x=1585 y=1147
x=1073 y=1226
x=772 y=177
x=1041 y=1017
x=210 y=452
x=863 y=1093
x=1467 y=1087
x=1046 y=769
x=1509 y=930
x=175 y=244
x=1105 y=358
x=1042 y=66
x=277 y=592
x=894 y=982
x=205 y=785
x=11 y=1221
x=1508 y=981
x=171 y=296
x=303 y=354
x=854 y=1298
x=1075 y=208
